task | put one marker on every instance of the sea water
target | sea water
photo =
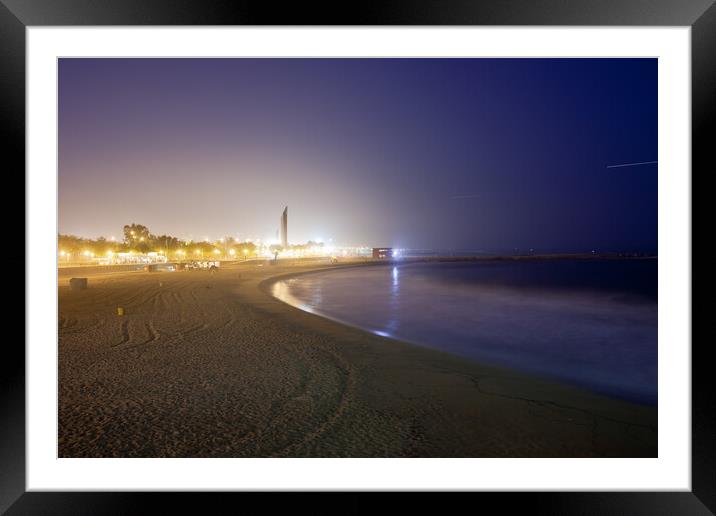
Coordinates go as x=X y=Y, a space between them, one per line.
x=591 y=323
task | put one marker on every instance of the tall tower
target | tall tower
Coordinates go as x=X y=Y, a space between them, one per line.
x=284 y=227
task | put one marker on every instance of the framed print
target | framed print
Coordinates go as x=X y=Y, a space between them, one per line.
x=416 y=249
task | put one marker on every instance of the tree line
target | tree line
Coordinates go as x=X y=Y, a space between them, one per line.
x=139 y=239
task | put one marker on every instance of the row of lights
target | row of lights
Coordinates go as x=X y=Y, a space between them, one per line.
x=180 y=252
x=232 y=252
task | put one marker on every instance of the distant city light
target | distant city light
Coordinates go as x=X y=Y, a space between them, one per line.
x=222 y=248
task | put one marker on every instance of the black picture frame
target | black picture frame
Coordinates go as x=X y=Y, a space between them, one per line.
x=16 y=15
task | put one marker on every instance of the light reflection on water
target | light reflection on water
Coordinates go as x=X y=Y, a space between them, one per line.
x=604 y=339
x=282 y=290
x=392 y=325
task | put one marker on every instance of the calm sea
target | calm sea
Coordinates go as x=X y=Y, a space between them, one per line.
x=587 y=322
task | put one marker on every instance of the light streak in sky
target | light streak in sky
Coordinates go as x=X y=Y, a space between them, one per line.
x=632 y=164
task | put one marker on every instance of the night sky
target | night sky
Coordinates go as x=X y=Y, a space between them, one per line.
x=472 y=154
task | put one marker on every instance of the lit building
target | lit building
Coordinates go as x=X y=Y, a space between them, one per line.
x=382 y=252
x=284 y=228
x=131 y=257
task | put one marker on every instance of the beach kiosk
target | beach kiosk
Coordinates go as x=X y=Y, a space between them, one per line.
x=382 y=252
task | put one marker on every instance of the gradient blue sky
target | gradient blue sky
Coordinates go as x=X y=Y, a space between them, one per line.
x=480 y=154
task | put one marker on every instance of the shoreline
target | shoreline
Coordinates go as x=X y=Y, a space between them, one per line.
x=268 y=379
x=368 y=259
x=267 y=284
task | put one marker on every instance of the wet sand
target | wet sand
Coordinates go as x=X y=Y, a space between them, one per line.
x=210 y=365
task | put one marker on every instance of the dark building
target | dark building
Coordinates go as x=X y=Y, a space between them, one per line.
x=284 y=228
x=382 y=252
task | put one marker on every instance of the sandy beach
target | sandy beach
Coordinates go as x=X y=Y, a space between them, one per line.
x=210 y=365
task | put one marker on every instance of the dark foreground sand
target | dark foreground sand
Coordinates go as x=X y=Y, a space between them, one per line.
x=209 y=365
